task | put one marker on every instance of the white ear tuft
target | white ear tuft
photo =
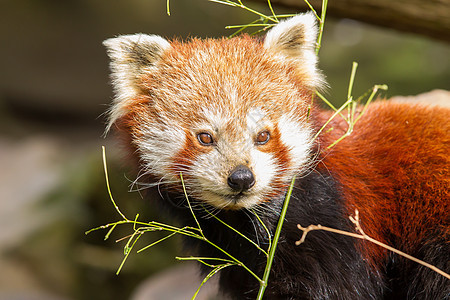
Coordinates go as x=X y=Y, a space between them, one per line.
x=131 y=57
x=295 y=39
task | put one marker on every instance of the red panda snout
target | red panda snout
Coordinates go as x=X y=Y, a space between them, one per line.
x=241 y=179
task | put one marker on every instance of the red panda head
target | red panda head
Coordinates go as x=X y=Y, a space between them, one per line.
x=230 y=114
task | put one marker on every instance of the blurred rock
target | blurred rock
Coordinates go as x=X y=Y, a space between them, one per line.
x=178 y=283
x=30 y=169
x=435 y=97
x=18 y=283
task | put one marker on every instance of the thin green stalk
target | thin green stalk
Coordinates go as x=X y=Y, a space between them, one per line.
x=265 y=279
x=352 y=79
x=105 y=226
x=241 y=5
x=322 y=97
x=282 y=16
x=202 y=260
x=312 y=9
x=128 y=250
x=189 y=203
x=170 y=227
x=237 y=261
x=135 y=221
x=346 y=134
x=183 y=231
x=352 y=112
x=271 y=10
x=321 y=20
x=352 y=104
x=242 y=28
x=237 y=231
x=110 y=231
x=332 y=117
x=108 y=186
x=269 y=236
x=372 y=95
x=210 y=274
x=226 y=2
x=157 y=242
x=248 y=25
x=322 y=25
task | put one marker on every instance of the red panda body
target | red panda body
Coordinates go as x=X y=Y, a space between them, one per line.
x=403 y=188
x=234 y=116
x=404 y=149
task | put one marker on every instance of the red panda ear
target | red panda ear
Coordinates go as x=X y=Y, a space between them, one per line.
x=295 y=39
x=131 y=56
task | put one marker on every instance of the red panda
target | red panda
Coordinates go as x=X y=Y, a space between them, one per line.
x=235 y=117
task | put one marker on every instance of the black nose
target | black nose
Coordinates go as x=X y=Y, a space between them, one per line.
x=241 y=178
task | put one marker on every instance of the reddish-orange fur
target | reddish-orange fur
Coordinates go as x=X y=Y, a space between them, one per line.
x=281 y=152
x=395 y=169
x=188 y=154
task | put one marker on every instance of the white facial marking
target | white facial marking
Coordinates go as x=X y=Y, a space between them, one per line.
x=264 y=167
x=298 y=138
x=159 y=147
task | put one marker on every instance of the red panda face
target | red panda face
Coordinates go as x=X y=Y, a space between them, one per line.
x=230 y=114
x=238 y=163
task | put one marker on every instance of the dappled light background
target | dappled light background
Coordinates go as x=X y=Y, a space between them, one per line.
x=54 y=88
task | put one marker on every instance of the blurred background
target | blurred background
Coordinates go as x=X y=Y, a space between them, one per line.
x=54 y=88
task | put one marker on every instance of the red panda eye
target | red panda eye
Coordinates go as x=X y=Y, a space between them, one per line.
x=205 y=139
x=263 y=137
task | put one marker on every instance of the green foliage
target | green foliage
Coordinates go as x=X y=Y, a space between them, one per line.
x=139 y=228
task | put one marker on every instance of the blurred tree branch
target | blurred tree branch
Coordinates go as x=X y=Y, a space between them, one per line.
x=429 y=18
